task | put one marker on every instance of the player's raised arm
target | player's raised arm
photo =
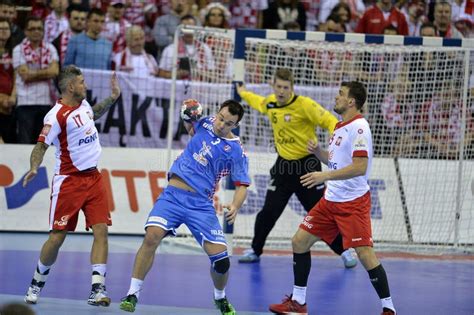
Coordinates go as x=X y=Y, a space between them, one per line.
x=36 y=158
x=102 y=107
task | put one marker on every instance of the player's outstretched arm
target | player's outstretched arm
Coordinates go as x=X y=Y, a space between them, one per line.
x=102 y=107
x=35 y=161
x=357 y=168
x=315 y=149
x=239 y=197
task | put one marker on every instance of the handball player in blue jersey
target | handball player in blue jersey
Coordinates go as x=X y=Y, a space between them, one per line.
x=212 y=152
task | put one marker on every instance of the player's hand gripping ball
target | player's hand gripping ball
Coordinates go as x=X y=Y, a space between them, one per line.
x=191 y=110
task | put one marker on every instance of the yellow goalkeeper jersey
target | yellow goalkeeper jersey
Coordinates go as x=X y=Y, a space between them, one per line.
x=293 y=124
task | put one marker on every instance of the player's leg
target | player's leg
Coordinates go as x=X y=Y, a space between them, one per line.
x=309 y=197
x=377 y=277
x=66 y=201
x=220 y=265
x=97 y=216
x=48 y=255
x=203 y=223
x=276 y=199
x=353 y=219
x=165 y=216
x=310 y=231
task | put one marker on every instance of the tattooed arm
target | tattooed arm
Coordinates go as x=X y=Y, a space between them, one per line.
x=35 y=161
x=100 y=108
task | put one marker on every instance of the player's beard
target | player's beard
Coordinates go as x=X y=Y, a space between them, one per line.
x=339 y=110
x=79 y=96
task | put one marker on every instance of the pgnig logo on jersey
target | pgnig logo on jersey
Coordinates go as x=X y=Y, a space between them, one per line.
x=88 y=139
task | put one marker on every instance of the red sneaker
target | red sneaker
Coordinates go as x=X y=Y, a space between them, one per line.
x=288 y=306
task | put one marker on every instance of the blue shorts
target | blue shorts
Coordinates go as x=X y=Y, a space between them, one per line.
x=176 y=206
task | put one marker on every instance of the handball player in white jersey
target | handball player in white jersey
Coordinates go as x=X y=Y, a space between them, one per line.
x=77 y=184
x=212 y=152
x=345 y=206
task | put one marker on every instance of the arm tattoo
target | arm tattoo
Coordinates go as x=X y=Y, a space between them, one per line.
x=37 y=155
x=100 y=108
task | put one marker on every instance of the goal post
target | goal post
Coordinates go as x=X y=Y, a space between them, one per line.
x=420 y=108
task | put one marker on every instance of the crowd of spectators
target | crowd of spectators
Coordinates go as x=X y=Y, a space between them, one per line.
x=37 y=37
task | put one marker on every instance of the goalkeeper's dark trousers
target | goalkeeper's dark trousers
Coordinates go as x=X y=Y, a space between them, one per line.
x=284 y=182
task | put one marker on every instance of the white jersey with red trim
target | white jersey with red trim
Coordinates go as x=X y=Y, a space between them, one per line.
x=72 y=130
x=350 y=139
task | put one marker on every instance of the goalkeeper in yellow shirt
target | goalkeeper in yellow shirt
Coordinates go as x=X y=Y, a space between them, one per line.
x=294 y=119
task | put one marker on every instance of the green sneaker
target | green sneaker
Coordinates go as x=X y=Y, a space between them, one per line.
x=129 y=303
x=225 y=307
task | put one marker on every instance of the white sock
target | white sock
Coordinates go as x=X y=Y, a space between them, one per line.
x=42 y=268
x=100 y=268
x=219 y=294
x=299 y=294
x=135 y=287
x=387 y=302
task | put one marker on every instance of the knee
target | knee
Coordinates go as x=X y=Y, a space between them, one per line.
x=367 y=257
x=220 y=262
x=56 y=238
x=299 y=244
x=100 y=231
x=153 y=237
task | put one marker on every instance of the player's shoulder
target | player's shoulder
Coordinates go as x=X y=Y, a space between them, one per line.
x=359 y=124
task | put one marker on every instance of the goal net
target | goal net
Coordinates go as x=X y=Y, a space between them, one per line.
x=419 y=107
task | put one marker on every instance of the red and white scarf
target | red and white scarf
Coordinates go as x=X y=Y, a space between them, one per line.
x=126 y=60
x=41 y=55
x=63 y=41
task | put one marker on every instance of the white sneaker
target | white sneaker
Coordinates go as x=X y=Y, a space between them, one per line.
x=98 y=296
x=350 y=261
x=249 y=257
x=32 y=295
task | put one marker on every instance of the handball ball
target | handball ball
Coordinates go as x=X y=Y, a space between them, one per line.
x=191 y=110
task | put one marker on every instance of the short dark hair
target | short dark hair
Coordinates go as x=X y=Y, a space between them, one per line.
x=284 y=74
x=428 y=25
x=234 y=107
x=33 y=18
x=188 y=17
x=66 y=74
x=76 y=7
x=95 y=11
x=357 y=91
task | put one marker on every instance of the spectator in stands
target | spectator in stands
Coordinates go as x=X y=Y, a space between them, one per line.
x=188 y=52
x=292 y=26
x=460 y=8
x=40 y=8
x=464 y=24
x=428 y=29
x=247 y=13
x=36 y=64
x=88 y=50
x=115 y=25
x=77 y=16
x=343 y=10
x=165 y=25
x=415 y=16
x=376 y=18
x=56 y=22
x=280 y=12
x=390 y=30
x=356 y=7
x=134 y=59
x=215 y=15
x=8 y=12
x=333 y=24
x=7 y=86
x=442 y=20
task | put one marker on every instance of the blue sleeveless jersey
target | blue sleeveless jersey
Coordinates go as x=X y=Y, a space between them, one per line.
x=208 y=157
